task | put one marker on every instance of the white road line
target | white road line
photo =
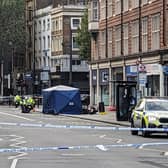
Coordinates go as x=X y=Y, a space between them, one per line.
x=12 y=115
x=119 y=141
x=102 y=136
x=13 y=165
x=72 y=154
x=101 y=147
x=17 y=156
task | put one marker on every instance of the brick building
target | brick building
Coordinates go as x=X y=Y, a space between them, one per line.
x=51 y=27
x=128 y=34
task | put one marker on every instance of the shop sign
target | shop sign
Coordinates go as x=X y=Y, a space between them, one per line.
x=142 y=79
x=153 y=69
x=131 y=70
x=104 y=76
x=165 y=70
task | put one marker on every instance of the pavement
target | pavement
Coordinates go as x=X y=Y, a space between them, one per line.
x=105 y=117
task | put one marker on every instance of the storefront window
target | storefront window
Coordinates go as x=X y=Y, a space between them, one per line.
x=105 y=95
x=153 y=85
x=166 y=85
x=94 y=95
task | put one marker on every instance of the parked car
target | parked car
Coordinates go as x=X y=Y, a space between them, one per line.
x=150 y=112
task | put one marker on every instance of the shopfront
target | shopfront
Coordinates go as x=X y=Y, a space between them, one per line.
x=156 y=82
x=104 y=85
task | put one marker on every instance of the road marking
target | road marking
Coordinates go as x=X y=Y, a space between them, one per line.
x=102 y=136
x=119 y=141
x=101 y=147
x=14 y=163
x=17 y=141
x=72 y=154
x=17 y=156
x=12 y=115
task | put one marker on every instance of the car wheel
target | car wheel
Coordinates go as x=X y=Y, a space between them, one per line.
x=145 y=133
x=133 y=132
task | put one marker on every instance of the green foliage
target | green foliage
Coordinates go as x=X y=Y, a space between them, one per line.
x=12 y=24
x=84 y=38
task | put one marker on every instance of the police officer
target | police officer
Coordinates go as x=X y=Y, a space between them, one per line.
x=17 y=100
x=31 y=101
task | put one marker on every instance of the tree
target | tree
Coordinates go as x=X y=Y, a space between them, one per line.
x=12 y=23
x=84 y=38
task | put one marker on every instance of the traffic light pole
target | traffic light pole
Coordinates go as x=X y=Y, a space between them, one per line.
x=2 y=77
x=70 y=58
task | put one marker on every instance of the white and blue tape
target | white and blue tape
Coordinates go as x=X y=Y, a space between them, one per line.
x=106 y=147
x=83 y=127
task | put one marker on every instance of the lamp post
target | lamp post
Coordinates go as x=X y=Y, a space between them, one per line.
x=70 y=57
x=2 y=76
x=12 y=65
x=34 y=48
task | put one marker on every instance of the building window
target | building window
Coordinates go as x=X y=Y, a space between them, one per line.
x=143 y=2
x=49 y=44
x=134 y=3
x=48 y=24
x=145 y=34
x=39 y=44
x=117 y=7
x=75 y=23
x=155 y=41
x=118 y=41
x=95 y=10
x=110 y=42
x=74 y=43
x=39 y=26
x=103 y=9
x=53 y=25
x=102 y=44
x=110 y=7
x=125 y=38
x=60 y=23
x=76 y=62
x=135 y=37
x=44 y=25
x=35 y=28
x=53 y=44
x=56 y=25
x=44 y=43
x=125 y=5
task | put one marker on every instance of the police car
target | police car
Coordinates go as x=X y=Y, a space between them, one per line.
x=150 y=112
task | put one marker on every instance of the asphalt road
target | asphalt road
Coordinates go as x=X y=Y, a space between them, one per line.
x=65 y=147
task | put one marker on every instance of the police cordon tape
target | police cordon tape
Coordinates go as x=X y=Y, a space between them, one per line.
x=84 y=127
x=56 y=148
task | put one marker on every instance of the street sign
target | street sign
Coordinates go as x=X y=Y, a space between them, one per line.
x=142 y=68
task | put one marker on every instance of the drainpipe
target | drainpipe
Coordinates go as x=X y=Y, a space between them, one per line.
x=106 y=50
x=139 y=60
x=122 y=41
x=140 y=30
x=164 y=23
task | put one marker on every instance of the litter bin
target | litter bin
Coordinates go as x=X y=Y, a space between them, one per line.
x=101 y=107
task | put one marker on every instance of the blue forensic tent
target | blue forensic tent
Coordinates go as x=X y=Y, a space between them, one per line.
x=62 y=99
